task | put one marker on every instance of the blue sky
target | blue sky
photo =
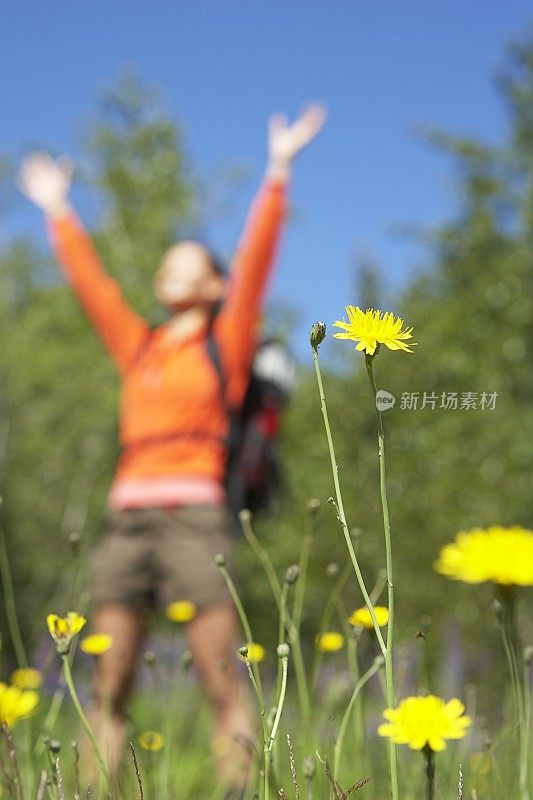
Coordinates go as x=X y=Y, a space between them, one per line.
x=383 y=68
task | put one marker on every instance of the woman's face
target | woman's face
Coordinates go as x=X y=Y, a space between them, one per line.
x=186 y=278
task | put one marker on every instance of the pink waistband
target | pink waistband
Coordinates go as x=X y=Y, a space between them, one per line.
x=167 y=491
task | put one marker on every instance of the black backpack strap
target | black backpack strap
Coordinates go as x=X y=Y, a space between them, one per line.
x=214 y=354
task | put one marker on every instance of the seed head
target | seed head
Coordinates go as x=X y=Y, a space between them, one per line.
x=283 y=650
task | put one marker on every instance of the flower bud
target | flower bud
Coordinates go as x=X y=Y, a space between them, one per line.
x=332 y=570
x=318 y=332
x=186 y=660
x=498 y=609
x=220 y=560
x=313 y=505
x=283 y=650
x=149 y=657
x=309 y=767
x=291 y=576
x=74 y=539
x=243 y=651
x=245 y=515
x=528 y=654
x=54 y=746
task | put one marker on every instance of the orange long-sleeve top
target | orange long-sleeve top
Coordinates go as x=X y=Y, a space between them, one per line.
x=173 y=420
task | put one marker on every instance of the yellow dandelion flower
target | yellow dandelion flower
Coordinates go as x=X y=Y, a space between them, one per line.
x=372 y=328
x=27 y=678
x=96 y=643
x=64 y=629
x=151 y=740
x=330 y=641
x=15 y=703
x=181 y=611
x=421 y=721
x=501 y=555
x=361 y=617
x=256 y=652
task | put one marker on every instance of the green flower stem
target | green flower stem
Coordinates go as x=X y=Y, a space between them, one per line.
x=264 y=728
x=51 y=717
x=281 y=629
x=83 y=719
x=378 y=662
x=244 y=620
x=389 y=672
x=506 y=620
x=324 y=622
x=246 y=523
x=340 y=506
x=9 y=602
x=302 y=686
x=260 y=700
x=527 y=716
x=274 y=730
x=281 y=639
x=292 y=628
x=281 y=701
x=303 y=564
x=430 y=772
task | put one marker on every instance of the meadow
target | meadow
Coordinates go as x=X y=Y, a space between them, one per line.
x=333 y=715
x=367 y=614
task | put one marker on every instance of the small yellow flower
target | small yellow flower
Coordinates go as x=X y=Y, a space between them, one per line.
x=16 y=704
x=361 y=617
x=27 y=678
x=256 y=652
x=151 y=740
x=64 y=629
x=329 y=642
x=372 y=328
x=421 y=721
x=501 y=555
x=96 y=643
x=181 y=611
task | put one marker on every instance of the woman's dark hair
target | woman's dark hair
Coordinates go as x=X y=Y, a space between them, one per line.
x=217 y=265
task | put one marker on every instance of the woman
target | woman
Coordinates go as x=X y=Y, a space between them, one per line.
x=167 y=513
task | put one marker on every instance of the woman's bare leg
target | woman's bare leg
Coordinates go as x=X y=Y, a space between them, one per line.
x=211 y=637
x=112 y=681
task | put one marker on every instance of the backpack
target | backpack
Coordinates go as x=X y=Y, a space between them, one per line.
x=253 y=473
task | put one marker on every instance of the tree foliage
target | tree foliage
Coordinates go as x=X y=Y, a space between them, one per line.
x=448 y=470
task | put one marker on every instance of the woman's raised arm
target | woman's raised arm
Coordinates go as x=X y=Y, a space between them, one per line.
x=46 y=182
x=254 y=258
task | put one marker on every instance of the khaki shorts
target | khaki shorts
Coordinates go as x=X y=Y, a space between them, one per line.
x=150 y=557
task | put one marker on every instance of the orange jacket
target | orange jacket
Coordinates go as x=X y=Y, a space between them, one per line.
x=172 y=418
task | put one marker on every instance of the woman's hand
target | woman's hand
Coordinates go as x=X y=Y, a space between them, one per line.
x=46 y=182
x=285 y=141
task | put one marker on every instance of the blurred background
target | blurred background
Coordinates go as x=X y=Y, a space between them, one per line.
x=417 y=198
